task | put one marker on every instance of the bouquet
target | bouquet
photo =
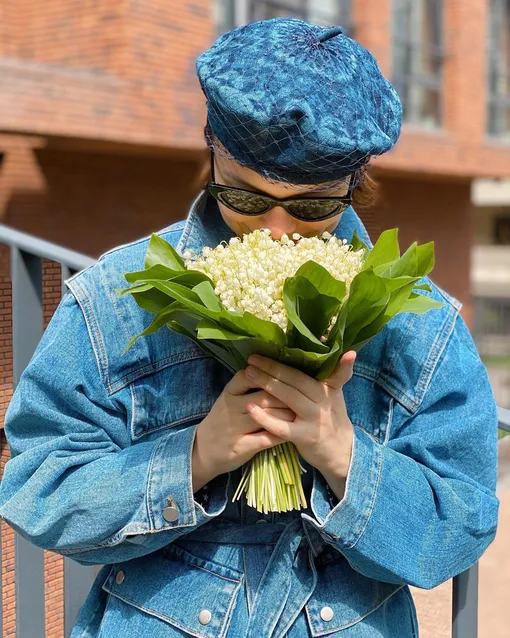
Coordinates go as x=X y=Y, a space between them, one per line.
x=302 y=301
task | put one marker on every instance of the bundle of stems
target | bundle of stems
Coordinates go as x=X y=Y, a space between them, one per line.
x=272 y=480
x=301 y=301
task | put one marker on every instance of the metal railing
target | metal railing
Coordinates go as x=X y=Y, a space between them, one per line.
x=27 y=253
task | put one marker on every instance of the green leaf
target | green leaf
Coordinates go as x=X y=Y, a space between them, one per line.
x=312 y=296
x=322 y=280
x=385 y=250
x=358 y=244
x=190 y=278
x=425 y=258
x=423 y=287
x=207 y=295
x=367 y=295
x=395 y=303
x=158 y=271
x=296 y=290
x=393 y=283
x=419 y=304
x=132 y=289
x=406 y=266
x=207 y=329
x=211 y=349
x=253 y=326
x=161 y=318
x=159 y=251
x=151 y=300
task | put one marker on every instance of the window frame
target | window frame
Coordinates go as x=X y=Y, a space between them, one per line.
x=410 y=47
x=498 y=66
x=244 y=11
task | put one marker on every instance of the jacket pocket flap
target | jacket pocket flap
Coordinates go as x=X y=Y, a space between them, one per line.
x=184 y=590
x=344 y=596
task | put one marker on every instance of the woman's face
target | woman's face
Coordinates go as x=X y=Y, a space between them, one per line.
x=279 y=222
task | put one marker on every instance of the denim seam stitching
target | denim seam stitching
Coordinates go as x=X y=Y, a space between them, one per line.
x=95 y=336
x=179 y=225
x=153 y=612
x=368 y=612
x=209 y=571
x=148 y=492
x=379 y=461
x=402 y=397
x=389 y=422
x=97 y=333
x=295 y=614
x=248 y=592
x=173 y=359
x=226 y=622
x=438 y=347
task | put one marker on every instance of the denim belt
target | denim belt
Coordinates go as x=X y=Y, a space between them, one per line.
x=290 y=576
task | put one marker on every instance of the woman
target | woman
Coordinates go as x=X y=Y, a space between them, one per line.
x=130 y=460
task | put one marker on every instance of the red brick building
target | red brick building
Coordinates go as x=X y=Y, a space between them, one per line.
x=101 y=117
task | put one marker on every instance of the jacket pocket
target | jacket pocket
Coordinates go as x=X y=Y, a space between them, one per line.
x=182 y=393
x=192 y=594
x=343 y=596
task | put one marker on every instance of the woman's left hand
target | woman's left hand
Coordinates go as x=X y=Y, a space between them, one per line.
x=321 y=430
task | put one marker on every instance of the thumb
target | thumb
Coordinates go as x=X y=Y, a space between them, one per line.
x=343 y=371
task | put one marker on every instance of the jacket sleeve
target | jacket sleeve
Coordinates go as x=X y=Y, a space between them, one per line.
x=421 y=507
x=74 y=483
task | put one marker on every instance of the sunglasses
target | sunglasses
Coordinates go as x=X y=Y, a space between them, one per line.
x=307 y=209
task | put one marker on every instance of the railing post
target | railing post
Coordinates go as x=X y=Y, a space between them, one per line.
x=78 y=579
x=465 y=604
x=27 y=329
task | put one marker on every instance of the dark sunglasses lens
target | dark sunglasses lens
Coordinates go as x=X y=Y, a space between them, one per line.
x=245 y=203
x=311 y=209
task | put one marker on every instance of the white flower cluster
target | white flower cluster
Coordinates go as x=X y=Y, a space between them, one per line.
x=249 y=273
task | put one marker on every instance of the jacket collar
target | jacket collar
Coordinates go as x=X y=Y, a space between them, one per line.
x=204 y=225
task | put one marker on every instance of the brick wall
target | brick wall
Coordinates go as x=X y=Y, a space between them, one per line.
x=113 y=70
x=430 y=210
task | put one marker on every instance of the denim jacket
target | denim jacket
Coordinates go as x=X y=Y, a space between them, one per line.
x=100 y=471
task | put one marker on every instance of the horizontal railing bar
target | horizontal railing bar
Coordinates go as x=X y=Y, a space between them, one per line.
x=45 y=249
x=504 y=419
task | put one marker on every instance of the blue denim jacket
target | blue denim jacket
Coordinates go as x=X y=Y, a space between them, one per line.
x=101 y=447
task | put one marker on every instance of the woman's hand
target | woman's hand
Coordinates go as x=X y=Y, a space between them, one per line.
x=228 y=436
x=321 y=430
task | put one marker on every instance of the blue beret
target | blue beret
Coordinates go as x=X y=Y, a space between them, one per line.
x=297 y=102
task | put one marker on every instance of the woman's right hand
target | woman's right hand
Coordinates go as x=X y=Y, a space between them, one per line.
x=228 y=437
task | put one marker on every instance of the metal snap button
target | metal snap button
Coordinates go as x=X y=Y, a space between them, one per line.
x=170 y=513
x=119 y=579
x=327 y=613
x=205 y=617
x=261 y=520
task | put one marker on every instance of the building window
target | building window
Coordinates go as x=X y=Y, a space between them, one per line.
x=498 y=121
x=224 y=15
x=418 y=59
x=502 y=231
x=231 y=13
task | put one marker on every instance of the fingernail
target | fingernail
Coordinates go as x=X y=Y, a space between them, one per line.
x=251 y=371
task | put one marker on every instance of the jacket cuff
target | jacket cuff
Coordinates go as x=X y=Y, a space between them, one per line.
x=170 y=499
x=343 y=524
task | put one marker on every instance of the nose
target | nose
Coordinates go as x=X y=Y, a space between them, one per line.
x=279 y=222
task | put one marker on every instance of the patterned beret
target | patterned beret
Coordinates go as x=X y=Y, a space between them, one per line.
x=297 y=102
